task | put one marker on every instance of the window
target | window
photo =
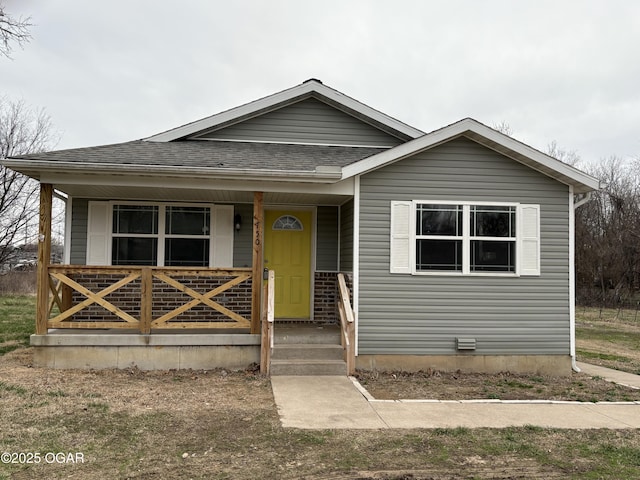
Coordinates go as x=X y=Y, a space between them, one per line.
x=178 y=235
x=124 y=233
x=135 y=235
x=493 y=238
x=186 y=236
x=439 y=237
x=464 y=238
x=287 y=222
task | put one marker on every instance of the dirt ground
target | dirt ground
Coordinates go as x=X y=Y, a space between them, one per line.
x=224 y=425
x=504 y=386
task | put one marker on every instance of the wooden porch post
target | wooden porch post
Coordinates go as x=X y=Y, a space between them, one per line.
x=258 y=240
x=146 y=302
x=44 y=258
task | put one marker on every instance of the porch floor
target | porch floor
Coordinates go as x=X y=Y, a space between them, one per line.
x=134 y=331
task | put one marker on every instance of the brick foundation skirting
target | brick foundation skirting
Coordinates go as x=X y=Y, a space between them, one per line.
x=325 y=294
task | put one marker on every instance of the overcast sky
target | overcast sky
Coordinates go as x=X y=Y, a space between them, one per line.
x=120 y=70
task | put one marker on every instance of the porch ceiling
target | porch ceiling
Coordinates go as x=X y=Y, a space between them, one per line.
x=213 y=195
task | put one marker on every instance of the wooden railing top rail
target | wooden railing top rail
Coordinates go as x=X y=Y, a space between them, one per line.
x=344 y=298
x=97 y=269
x=271 y=295
x=266 y=346
x=347 y=323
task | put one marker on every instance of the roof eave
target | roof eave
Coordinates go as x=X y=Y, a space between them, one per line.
x=35 y=169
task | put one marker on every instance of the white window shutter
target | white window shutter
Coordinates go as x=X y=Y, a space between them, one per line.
x=529 y=239
x=400 y=238
x=222 y=236
x=98 y=233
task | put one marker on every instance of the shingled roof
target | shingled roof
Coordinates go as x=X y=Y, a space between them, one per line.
x=208 y=154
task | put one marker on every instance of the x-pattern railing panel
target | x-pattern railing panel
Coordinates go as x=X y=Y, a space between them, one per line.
x=199 y=298
x=62 y=286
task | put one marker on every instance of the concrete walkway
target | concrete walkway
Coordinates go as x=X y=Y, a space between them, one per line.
x=333 y=402
x=610 y=375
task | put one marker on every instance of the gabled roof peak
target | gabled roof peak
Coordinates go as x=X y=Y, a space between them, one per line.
x=310 y=88
x=488 y=137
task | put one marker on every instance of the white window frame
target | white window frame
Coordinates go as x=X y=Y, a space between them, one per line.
x=472 y=237
x=111 y=234
x=466 y=239
x=161 y=235
x=413 y=235
x=100 y=231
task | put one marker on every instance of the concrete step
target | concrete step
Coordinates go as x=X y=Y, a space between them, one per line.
x=307 y=350
x=306 y=334
x=308 y=367
x=312 y=351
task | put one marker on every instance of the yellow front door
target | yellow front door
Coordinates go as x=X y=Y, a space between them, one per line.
x=287 y=251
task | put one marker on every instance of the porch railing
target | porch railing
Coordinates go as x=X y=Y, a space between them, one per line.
x=145 y=298
x=268 y=310
x=347 y=323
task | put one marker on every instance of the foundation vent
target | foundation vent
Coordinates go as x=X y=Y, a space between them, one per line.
x=465 y=343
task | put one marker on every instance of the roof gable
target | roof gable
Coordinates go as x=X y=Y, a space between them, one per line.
x=487 y=137
x=309 y=89
x=308 y=121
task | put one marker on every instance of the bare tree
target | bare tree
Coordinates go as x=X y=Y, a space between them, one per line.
x=503 y=127
x=22 y=131
x=607 y=229
x=570 y=157
x=608 y=236
x=12 y=30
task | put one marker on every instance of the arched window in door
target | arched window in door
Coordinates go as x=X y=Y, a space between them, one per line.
x=287 y=222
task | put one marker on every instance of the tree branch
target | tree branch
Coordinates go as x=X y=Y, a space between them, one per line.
x=13 y=30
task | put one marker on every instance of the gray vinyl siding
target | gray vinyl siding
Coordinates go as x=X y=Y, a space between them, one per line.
x=308 y=121
x=79 y=208
x=327 y=239
x=242 y=246
x=417 y=314
x=346 y=237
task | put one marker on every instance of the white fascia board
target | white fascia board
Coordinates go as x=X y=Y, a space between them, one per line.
x=447 y=133
x=343 y=187
x=537 y=156
x=320 y=175
x=264 y=104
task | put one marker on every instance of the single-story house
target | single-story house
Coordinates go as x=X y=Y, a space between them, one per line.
x=457 y=245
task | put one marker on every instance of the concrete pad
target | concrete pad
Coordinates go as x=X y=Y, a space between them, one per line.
x=322 y=402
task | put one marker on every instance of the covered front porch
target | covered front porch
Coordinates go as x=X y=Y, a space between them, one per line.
x=167 y=317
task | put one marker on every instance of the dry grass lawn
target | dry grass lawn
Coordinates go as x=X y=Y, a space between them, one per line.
x=224 y=425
